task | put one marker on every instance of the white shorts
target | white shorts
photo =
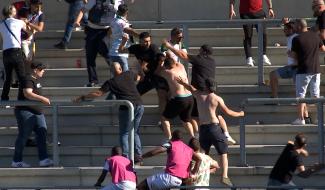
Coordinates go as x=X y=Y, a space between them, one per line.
x=163 y=181
x=124 y=185
x=305 y=80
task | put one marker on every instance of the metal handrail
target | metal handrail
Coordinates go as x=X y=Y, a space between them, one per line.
x=56 y=104
x=258 y=101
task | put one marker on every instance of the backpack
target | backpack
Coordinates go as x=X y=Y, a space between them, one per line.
x=102 y=13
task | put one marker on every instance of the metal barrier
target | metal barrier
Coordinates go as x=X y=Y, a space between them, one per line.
x=259 y=101
x=56 y=104
x=186 y=24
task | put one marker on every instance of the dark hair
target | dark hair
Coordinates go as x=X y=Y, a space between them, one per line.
x=116 y=150
x=290 y=25
x=210 y=84
x=122 y=9
x=37 y=65
x=144 y=35
x=207 y=50
x=194 y=144
x=175 y=31
x=7 y=11
x=300 y=140
x=169 y=62
x=36 y=2
x=177 y=135
x=159 y=56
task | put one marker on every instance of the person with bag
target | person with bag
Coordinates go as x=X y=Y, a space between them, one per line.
x=10 y=30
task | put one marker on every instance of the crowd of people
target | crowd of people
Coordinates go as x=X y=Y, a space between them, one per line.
x=110 y=34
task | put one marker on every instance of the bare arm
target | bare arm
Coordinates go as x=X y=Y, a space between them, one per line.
x=79 y=17
x=186 y=85
x=101 y=178
x=154 y=152
x=270 y=6
x=29 y=94
x=322 y=48
x=131 y=31
x=232 y=12
x=38 y=27
x=92 y=95
x=198 y=161
x=227 y=110
x=181 y=54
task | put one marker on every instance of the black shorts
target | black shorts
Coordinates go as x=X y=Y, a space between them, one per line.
x=212 y=134
x=179 y=106
x=195 y=112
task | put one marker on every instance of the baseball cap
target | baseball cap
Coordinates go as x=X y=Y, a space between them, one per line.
x=37 y=65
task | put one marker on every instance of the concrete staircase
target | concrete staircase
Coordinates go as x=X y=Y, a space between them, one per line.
x=88 y=133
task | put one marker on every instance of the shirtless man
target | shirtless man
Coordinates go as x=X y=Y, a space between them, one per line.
x=181 y=102
x=210 y=130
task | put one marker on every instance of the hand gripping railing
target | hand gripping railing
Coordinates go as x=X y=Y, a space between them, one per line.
x=56 y=104
x=259 y=101
x=186 y=24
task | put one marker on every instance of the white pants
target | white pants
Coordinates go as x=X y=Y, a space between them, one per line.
x=124 y=185
x=163 y=181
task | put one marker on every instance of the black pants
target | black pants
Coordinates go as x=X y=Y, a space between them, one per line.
x=248 y=30
x=13 y=60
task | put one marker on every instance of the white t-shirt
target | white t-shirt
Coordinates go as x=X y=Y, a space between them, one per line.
x=15 y=25
x=117 y=27
x=289 y=45
x=178 y=46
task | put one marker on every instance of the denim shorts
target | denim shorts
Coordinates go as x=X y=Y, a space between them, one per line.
x=305 y=80
x=287 y=72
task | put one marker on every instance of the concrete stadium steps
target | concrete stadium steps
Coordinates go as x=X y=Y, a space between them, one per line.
x=224 y=37
x=257 y=155
x=87 y=176
x=77 y=77
x=107 y=135
x=224 y=56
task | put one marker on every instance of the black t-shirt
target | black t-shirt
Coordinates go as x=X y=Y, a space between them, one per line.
x=124 y=87
x=202 y=69
x=147 y=55
x=321 y=21
x=306 y=45
x=286 y=165
x=34 y=84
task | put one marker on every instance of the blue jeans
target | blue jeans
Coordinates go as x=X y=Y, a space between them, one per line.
x=28 y=122
x=125 y=128
x=95 y=44
x=74 y=9
x=123 y=61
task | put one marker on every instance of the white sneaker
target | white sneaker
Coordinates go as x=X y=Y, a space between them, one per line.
x=250 y=62
x=79 y=28
x=298 y=121
x=19 y=164
x=266 y=60
x=231 y=140
x=46 y=163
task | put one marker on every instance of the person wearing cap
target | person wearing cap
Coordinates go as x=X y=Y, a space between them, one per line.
x=318 y=7
x=210 y=131
x=252 y=9
x=31 y=118
x=289 y=161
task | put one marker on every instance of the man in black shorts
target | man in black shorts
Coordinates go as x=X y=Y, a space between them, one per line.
x=181 y=101
x=210 y=131
x=289 y=161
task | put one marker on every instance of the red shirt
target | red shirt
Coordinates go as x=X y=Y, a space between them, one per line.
x=250 y=6
x=19 y=4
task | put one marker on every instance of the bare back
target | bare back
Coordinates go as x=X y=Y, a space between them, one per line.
x=207 y=104
x=170 y=75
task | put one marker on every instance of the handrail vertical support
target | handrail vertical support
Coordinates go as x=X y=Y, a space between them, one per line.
x=320 y=115
x=131 y=119
x=55 y=140
x=260 y=68
x=159 y=11
x=242 y=145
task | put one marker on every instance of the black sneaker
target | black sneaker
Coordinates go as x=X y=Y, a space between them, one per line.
x=61 y=45
x=308 y=120
x=15 y=84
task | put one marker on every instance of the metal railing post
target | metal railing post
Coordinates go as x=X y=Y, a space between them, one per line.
x=131 y=119
x=242 y=145
x=260 y=54
x=55 y=147
x=159 y=11
x=320 y=118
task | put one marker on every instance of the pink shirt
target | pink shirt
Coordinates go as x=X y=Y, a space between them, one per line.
x=120 y=168
x=179 y=159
